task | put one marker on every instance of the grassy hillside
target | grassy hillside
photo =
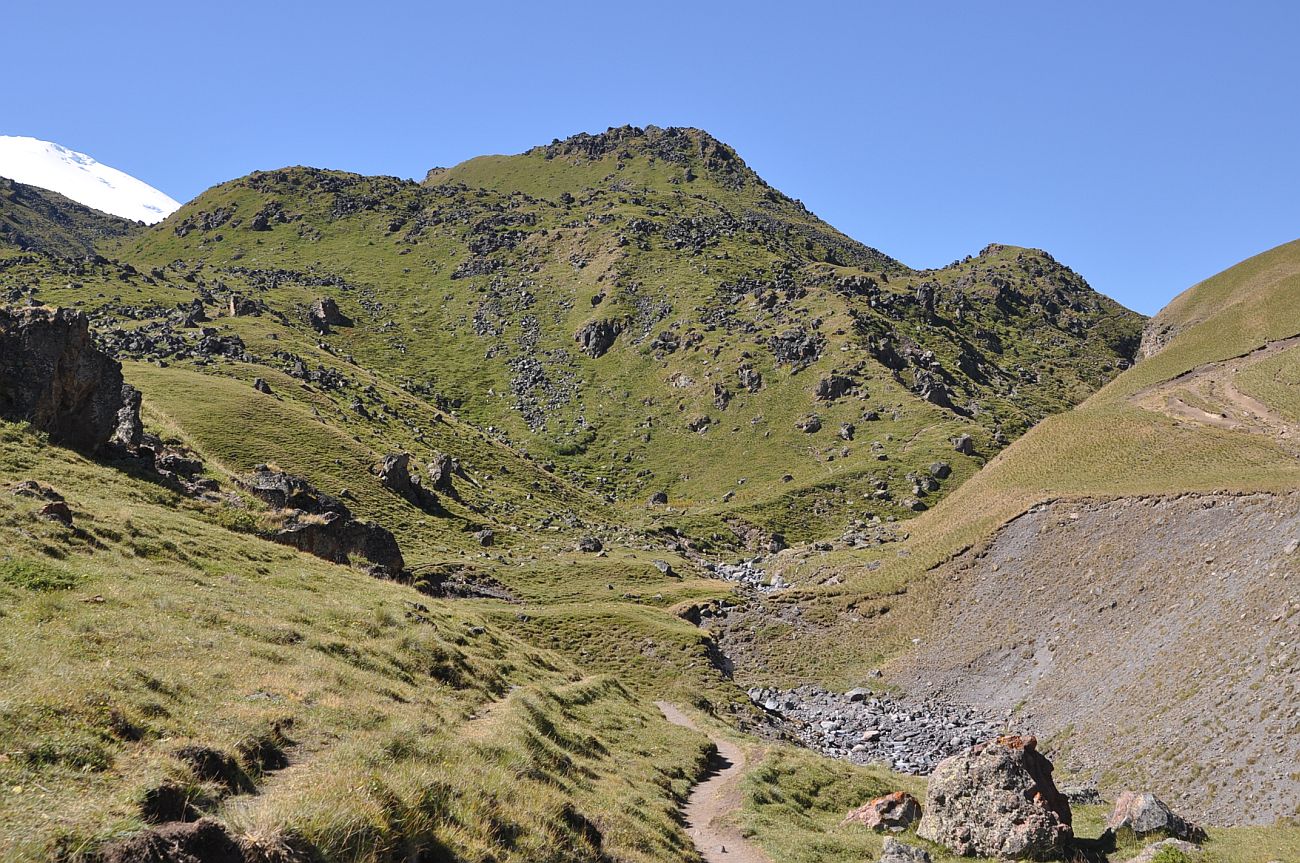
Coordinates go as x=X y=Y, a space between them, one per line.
x=38 y=220
x=636 y=307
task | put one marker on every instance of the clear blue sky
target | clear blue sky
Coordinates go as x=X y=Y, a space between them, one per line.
x=1147 y=145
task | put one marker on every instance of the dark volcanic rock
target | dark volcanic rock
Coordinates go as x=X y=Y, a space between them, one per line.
x=597 y=337
x=52 y=376
x=339 y=538
x=320 y=524
x=394 y=474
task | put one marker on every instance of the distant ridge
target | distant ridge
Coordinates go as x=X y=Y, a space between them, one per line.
x=79 y=177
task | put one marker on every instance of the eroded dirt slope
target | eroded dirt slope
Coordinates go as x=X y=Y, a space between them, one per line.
x=1153 y=639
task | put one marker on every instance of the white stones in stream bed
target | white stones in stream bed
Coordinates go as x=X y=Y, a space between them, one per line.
x=865 y=728
x=748 y=573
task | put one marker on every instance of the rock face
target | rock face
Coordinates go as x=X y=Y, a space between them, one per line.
x=52 y=376
x=320 y=524
x=1143 y=813
x=894 y=812
x=997 y=800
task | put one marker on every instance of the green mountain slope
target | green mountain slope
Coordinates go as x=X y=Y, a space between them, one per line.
x=637 y=307
x=33 y=219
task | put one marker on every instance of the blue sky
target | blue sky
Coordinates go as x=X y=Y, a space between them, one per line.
x=1146 y=145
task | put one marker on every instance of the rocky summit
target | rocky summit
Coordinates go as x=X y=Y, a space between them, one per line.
x=602 y=503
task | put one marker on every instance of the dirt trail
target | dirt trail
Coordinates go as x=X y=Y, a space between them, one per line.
x=1208 y=395
x=714 y=799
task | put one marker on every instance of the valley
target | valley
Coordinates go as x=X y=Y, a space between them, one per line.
x=476 y=518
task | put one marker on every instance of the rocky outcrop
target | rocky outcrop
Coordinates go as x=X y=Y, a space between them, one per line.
x=52 y=376
x=997 y=800
x=325 y=313
x=893 y=812
x=394 y=474
x=597 y=337
x=320 y=524
x=1144 y=814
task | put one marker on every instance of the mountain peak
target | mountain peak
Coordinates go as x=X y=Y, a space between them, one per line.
x=83 y=179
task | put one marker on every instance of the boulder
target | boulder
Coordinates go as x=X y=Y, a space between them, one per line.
x=590 y=545
x=810 y=424
x=964 y=444
x=52 y=376
x=320 y=524
x=893 y=851
x=597 y=337
x=394 y=474
x=129 y=430
x=997 y=800
x=485 y=537
x=1143 y=814
x=659 y=498
x=57 y=510
x=325 y=313
x=262 y=386
x=941 y=470
x=833 y=387
x=340 y=538
x=441 y=471
x=894 y=812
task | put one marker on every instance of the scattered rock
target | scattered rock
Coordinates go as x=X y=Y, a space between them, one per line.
x=964 y=444
x=262 y=386
x=893 y=812
x=485 y=537
x=590 y=545
x=663 y=566
x=659 y=498
x=847 y=430
x=1144 y=814
x=941 y=470
x=997 y=800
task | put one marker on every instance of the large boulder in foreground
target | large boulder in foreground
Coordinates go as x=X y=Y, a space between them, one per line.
x=1144 y=814
x=53 y=376
x=998 y=800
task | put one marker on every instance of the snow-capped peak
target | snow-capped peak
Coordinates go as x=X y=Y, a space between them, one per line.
x=79 y=177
